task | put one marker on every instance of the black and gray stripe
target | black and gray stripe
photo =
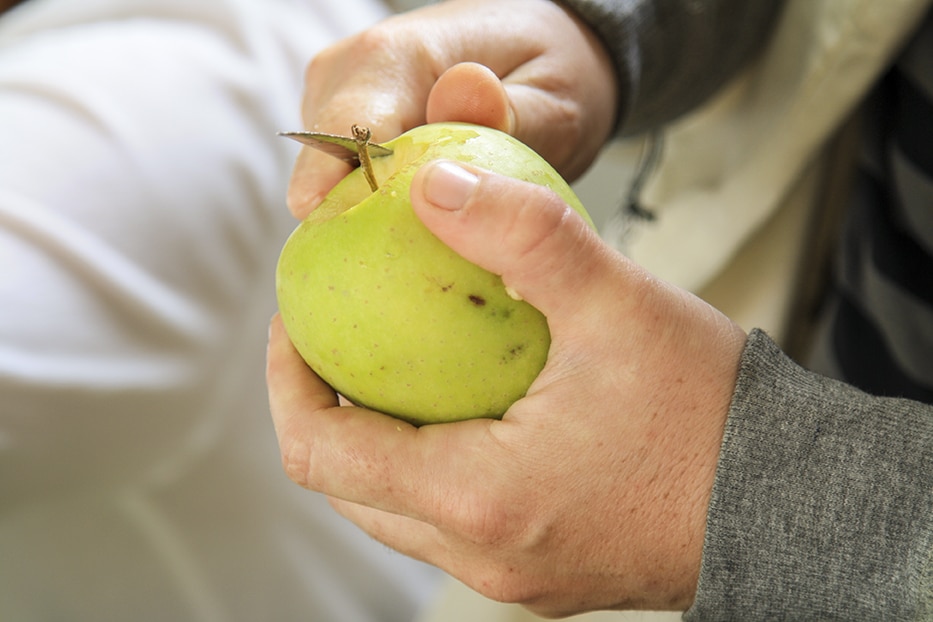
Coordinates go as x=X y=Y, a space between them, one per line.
x=879 y=331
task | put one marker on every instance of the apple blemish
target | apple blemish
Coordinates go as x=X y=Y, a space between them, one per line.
x=363 y=269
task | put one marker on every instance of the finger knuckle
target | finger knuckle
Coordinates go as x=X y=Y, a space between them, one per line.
x=296 y=462
x=482 y=520
x=537 y=223
x=505 y=583
x=375 y=40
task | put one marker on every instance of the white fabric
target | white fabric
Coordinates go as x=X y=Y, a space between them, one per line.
x=141 y=214
x=728 y=167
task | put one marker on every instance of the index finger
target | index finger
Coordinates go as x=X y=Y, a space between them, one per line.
x=355 y=82
x=313 y=175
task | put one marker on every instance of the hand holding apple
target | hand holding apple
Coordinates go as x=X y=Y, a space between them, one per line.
x=545 y=79
x=391 y=317
x=591 y=492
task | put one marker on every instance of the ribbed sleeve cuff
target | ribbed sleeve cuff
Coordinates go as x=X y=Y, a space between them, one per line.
x=822 y=504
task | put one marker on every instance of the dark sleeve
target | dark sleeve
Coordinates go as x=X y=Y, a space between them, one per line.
x=822 y=508
x=670 y=55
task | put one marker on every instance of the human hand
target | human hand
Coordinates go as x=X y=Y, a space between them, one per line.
x=592 y=491
x=527 y=67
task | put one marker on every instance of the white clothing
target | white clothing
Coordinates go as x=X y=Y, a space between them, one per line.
x=142 y=208
x=745 y=168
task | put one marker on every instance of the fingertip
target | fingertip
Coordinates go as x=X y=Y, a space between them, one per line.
x=277 y=333
x=313 y=176
x=300 y=204
x=281 y=355
x=471 y=93
x=275 y=324
x=301 y=194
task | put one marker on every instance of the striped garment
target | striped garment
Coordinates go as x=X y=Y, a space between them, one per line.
x=878 y=328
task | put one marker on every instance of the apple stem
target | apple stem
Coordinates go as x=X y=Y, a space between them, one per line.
x=362 y=136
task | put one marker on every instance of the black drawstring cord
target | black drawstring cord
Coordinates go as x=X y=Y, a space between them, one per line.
x=650 y=157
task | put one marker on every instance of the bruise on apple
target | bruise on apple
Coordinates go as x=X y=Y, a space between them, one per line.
x=514 y=352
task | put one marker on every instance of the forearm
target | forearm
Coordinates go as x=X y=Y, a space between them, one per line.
x=823 y=501
x=671 y=55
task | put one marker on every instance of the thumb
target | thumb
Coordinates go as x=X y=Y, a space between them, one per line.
x=472 y=93
x=540 y=246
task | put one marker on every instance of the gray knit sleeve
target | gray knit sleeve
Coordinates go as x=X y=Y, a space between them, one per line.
x=822 y=508
x=670 y=55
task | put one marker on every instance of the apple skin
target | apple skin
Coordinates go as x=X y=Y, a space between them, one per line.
x=392 y=318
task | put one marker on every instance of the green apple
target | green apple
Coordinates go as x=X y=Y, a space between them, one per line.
x=391 y=317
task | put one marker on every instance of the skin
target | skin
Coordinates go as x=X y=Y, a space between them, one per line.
x=592 y=491
x=458 y=61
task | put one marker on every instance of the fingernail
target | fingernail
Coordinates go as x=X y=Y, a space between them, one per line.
x=448 y=185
